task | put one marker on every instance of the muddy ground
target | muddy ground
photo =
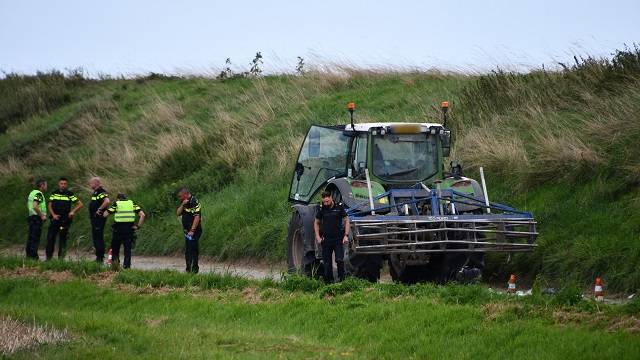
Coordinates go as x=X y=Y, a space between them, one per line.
x=246 y=268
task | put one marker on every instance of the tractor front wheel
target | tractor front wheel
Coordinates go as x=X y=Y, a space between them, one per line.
x=365 y=267
x=299 y=259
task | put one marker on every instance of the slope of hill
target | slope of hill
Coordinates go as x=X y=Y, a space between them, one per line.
x=561 y=144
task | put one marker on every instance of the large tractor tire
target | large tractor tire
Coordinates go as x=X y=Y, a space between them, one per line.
x=462 y=268
x=440 y=269
x=361 y=266
x=411 y=274
x=365 y=267
x=301 y=256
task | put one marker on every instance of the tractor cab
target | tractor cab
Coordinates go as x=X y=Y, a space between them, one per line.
x=393 y=154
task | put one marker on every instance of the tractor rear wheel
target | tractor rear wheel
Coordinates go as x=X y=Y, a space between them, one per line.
x=299 y=259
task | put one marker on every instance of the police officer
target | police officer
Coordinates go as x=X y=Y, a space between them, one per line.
x=61 y=214
x=332 y=232
x=99 y=203
x=189 y=209
x=124 y=226
x=37 y=207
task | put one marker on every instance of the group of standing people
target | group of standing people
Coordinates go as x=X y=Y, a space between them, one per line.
x=63 y=205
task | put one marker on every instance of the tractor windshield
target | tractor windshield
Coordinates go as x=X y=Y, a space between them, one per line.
x=406 y=157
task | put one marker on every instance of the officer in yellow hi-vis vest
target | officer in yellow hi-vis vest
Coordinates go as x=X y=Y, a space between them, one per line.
x=124 y=227
x=37 y=215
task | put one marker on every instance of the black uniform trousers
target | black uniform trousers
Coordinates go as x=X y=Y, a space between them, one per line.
x=123 y=234
x=97 y=234
x=329 y=247
x=57 y=228
x=35 y=232
x=191 y=251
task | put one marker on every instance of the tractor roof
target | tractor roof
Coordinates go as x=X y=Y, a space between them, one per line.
x=367 y=126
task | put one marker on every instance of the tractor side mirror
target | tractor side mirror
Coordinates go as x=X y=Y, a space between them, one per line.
x=445 y=140
x=314 y=143
x=299 y=171
x=456 y=169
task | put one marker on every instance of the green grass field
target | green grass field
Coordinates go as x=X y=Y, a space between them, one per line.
x=561 y=144
x=175 y=315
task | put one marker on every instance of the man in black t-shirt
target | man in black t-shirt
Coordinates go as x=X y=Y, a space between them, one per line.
x=63 y=206
x=99 y=203
x=332 y=232
x=190 y=211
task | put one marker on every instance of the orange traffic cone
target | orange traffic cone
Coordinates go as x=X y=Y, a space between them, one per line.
x=598 y=292
x=511 y=285
x=110 y=257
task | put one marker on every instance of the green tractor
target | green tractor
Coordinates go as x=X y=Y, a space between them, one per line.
x=428 y=224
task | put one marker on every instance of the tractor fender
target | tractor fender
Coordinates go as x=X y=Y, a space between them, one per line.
x=465 y=185
x=343 y=186
x=308 y=215
x=354 y=193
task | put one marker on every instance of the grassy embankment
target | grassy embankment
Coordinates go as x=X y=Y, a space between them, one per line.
x=558 y=143
x=233 y=142
x=168 y=314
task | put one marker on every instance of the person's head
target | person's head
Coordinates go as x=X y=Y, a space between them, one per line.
x=184 y=193
x=41 y=184
x=95 y=183
x=327 y=200
x=121 y=196
x=63 y=183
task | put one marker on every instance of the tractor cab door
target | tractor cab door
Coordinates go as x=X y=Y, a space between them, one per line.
x=323 y=155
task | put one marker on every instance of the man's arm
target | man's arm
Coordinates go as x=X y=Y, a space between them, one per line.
x=110 y=210
x=194 y=224
x=36 y=208
x=54 y=216
x=78 y=206
x=105 y=204
x=316 y=229
x=181 y=207
x=347 y=228
x=141 y=217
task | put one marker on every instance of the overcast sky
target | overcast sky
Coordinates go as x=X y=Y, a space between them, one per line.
x=122 y=36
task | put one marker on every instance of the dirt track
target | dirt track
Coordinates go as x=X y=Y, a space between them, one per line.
x=249 y=269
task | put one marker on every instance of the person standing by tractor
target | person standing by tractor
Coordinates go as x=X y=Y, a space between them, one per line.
x=124 y=227
x=37 y=215
x=189 y=209
x=332 y=233
x=99 y=203
x=61 y=214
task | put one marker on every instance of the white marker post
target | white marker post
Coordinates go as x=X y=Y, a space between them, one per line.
x=484 y=190
x=366 y=172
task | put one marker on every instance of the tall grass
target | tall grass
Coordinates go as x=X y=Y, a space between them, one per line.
x=544 y=125
x=26 y=95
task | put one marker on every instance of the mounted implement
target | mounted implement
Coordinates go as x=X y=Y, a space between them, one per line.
x=428 y=224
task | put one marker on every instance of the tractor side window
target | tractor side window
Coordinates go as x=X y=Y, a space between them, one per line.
x=360 y=156
x=323 y=155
